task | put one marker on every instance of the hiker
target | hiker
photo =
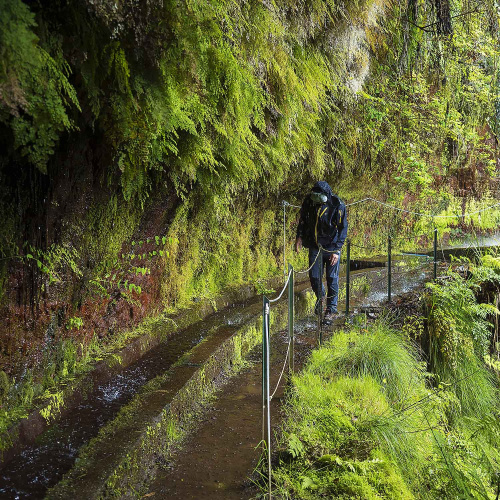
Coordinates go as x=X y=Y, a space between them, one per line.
x=323 y=224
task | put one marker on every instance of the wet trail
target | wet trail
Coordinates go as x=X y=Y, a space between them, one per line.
x=220 y=455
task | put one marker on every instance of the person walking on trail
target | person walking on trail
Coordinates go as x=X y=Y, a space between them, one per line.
x=323 y=225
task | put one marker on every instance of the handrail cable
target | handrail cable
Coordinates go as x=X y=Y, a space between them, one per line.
x=282 y=371
x=282 y=291
x=320 y=252
x=397 y=238
x=411 y=254
x=309 y=268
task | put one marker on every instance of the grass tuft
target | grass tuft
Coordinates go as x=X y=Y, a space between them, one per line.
x=364 y=422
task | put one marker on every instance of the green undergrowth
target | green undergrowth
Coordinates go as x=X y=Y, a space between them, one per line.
x=366 y=420
x=460 y=332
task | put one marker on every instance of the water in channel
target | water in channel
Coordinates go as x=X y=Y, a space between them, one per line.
x=42 y=464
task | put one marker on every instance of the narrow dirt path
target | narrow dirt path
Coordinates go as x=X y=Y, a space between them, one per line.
x=217 y=459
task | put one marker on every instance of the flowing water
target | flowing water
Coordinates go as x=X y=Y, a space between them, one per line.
x=42 y=464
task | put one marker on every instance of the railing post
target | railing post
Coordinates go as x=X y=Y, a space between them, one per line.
x=265 y=302
x=320 y=295
x=389 y=268
x=266 y=407
x=284 y=238
x=291 y=317
x=348 y=277
x=435 y=252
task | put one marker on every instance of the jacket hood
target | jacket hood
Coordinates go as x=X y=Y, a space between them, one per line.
x=323 y=187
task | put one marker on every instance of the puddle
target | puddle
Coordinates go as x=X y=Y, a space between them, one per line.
x=224 y=450
x=302 y=326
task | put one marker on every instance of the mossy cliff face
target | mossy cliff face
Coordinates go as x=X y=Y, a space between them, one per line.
x=146 y=148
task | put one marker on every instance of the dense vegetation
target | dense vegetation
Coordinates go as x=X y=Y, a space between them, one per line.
x=145 y=147
x=365 y=419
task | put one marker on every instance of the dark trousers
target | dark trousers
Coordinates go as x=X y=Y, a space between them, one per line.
x=332 y=277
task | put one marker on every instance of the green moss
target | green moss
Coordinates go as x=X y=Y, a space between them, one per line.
x=205 y=261
x=4 y=385
x=235 y=116
x=249 y=104
x=105 y=228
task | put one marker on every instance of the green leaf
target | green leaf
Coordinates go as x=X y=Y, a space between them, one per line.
x=308 y=483
x=295 y=446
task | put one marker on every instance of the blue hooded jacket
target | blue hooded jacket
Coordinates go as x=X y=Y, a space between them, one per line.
x=323 y=223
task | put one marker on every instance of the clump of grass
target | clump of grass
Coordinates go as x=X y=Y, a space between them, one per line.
x=383 y=353
x=363 y=422
x=345 y=435
x=332 y=444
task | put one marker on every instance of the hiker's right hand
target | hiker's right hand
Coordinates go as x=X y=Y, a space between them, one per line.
x=298 y=244
x=334 y=258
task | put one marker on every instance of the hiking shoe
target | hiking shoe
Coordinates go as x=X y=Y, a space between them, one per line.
x=330 y=316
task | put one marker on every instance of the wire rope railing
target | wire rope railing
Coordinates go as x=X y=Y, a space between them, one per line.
x=432 y=216
x=283 y=289
x=411 y=212
x=367 y=247
x=282 y=370
x=411 y=237
x=310 y=267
